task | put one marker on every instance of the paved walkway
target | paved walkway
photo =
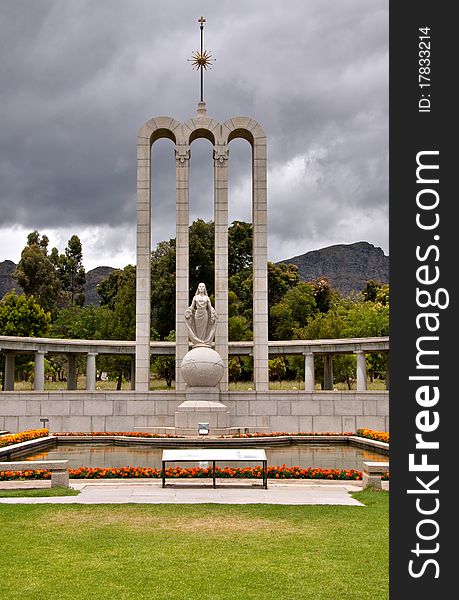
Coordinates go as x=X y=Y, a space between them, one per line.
x=109 y=492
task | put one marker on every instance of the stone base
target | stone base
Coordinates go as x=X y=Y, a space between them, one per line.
x=202 y=394
x=194 y=411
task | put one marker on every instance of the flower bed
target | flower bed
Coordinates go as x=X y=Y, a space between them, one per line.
x=257 y=434
x=119 y=433
x=22 y=436
x=379 y=436
x=274 y=472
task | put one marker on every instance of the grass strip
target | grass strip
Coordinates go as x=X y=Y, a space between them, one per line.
x=38 y=492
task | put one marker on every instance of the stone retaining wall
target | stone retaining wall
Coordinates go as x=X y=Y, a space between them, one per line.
x=291 y=411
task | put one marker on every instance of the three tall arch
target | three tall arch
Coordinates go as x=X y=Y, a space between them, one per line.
x=220 y=135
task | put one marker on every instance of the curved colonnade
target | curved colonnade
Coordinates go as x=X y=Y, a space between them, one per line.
x=10 y=346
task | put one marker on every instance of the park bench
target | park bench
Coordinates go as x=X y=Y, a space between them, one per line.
x=372 y=473
x=206 y=455
x=58 y=468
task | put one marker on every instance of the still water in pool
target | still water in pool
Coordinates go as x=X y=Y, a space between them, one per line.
x=325 y=456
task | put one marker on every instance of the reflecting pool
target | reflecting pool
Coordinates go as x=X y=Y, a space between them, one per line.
x=325 y=456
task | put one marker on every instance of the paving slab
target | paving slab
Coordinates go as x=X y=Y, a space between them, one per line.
x=153 y=493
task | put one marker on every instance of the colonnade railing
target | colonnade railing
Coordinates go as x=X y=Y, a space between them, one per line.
x=11 y=346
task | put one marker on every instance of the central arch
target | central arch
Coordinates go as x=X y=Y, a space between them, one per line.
x=219 y=135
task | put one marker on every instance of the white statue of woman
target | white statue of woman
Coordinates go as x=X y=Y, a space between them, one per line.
x=201 y=318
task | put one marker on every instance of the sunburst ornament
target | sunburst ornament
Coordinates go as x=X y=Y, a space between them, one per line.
x=202 y=60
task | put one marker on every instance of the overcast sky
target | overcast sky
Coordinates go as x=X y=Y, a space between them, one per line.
x=80 y=77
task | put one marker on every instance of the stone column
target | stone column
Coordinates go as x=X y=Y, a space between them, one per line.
x=39 y=371
x=143 y=281
x=361 y=371
x=328 y=372
x=72 y=382
x=260 y=266
x=387 y=355
x=309 y=376
x=133 y=373
x=8 y=383
x=91 y=371
x=221 y=254
x=182 y=300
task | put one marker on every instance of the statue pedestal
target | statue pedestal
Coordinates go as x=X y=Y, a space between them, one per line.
x=202 y=405
x=202 y=369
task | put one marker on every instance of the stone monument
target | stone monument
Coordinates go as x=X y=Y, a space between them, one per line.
x=201 y=366
x=192 y=327
x=202 y=370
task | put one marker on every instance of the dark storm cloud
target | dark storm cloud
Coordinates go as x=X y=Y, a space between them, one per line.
x=80 y=78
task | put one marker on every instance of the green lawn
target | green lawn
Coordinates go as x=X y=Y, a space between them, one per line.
x=188 y=552
x=160 y=385
x=38 y=492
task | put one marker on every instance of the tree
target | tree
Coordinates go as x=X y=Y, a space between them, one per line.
x=323 y=294
x=302 y=303
x=382 y=295
x=23 y=316
x=201 y=255
x=349 y=318
x=163 y=288
x=108 y=288
x=234 y=368
x=239 y=329
x=240 y=240
x=280 y=322
x=240 y=296
x=371 y=290
x=281 y=278
x=36 y=274
x=164 y=366
x=277 y=368
x=345 y=369
x=86 y=323
x=124 y=309
x=294 y=365
x=367 y=319
x=117 y=367
x=71 y=272
x=118 y=293
x=293 y=312
x=328 y=325
x=42 y=242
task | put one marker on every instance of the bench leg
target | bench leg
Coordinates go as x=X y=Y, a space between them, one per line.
x=60 y=478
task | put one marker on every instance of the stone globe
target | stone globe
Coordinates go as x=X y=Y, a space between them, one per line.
x=202 y=367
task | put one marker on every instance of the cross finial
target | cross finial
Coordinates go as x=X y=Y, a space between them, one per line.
x=202 y=59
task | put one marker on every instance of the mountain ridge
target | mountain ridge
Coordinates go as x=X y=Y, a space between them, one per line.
x=347 y=267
